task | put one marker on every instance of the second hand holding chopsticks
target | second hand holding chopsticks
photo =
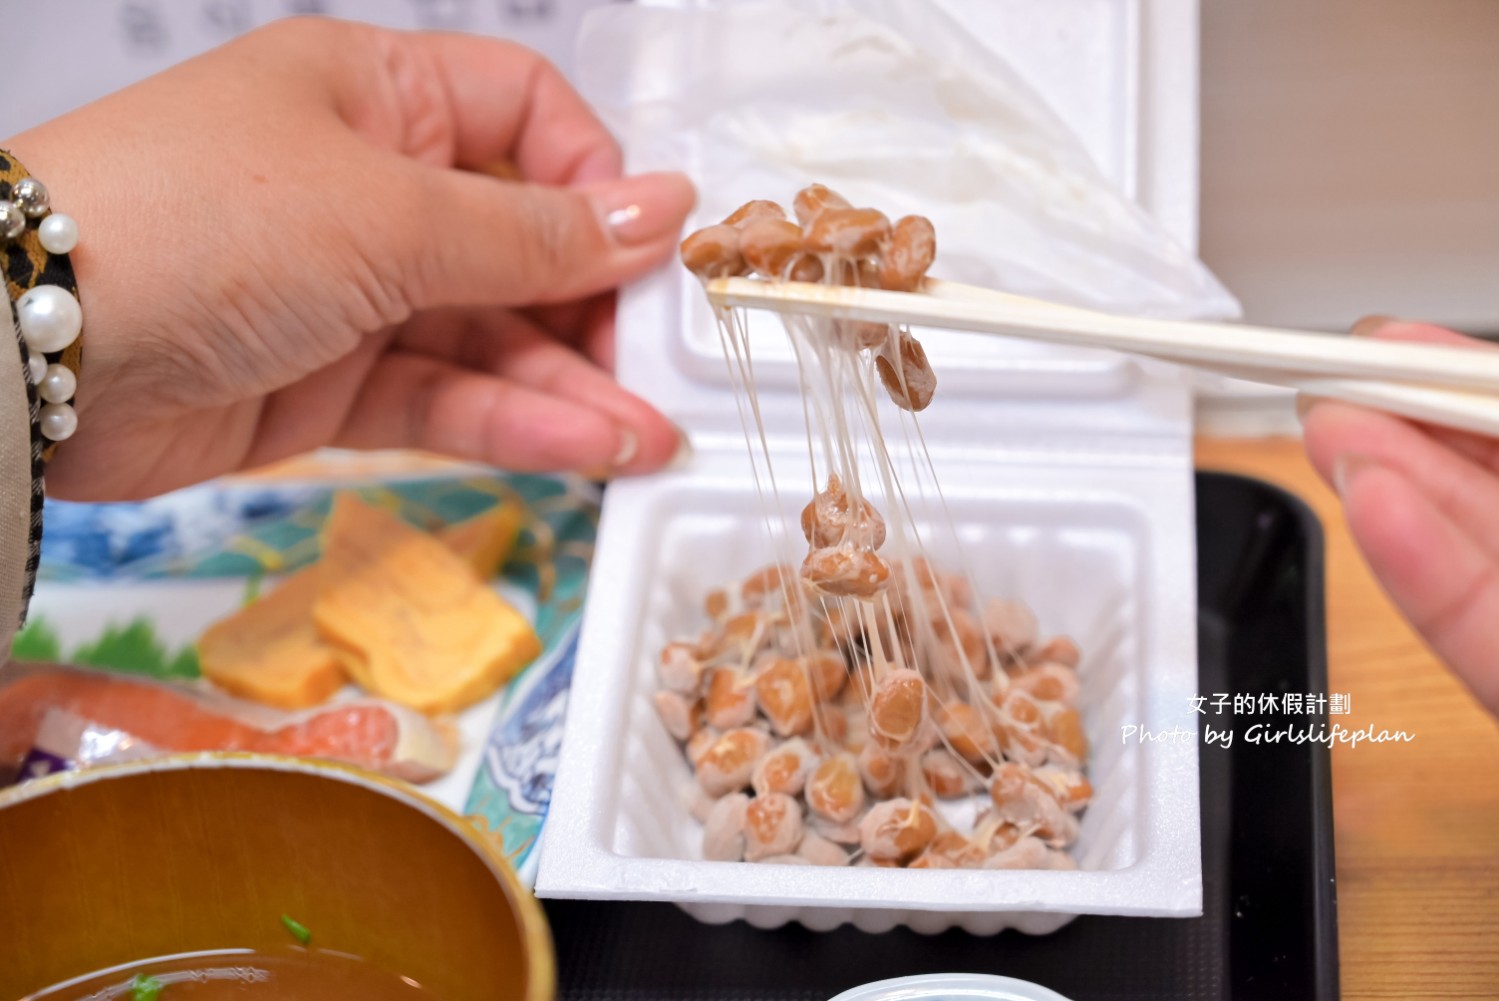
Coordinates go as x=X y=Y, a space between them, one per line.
x=1452 y=386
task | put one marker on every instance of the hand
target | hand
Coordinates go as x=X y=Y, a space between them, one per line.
x=1423 y=506
x=289 y=242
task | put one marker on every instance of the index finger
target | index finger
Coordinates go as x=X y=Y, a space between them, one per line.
x=1481 y=449
x=505 y=102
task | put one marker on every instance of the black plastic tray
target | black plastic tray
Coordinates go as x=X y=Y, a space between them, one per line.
x=1269 y=927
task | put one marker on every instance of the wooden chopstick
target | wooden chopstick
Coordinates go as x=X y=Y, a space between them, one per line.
x=1467 y=411
x=1460 y=409
x=1452 y=408
x=1315 y=364
x=1276 y=354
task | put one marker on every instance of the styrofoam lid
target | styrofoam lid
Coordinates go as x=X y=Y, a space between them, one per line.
x=897 y=105
x=951 y=987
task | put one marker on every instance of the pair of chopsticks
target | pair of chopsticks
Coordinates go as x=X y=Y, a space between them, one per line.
x=1439 y=384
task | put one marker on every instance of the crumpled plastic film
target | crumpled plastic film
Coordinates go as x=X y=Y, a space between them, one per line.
x=893 y=103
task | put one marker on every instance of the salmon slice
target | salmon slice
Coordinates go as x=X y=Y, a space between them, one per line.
x=380 y=737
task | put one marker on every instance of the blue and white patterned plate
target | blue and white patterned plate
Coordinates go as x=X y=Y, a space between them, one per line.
x=130 y=586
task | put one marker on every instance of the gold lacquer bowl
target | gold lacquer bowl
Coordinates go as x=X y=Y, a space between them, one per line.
x=207 y=851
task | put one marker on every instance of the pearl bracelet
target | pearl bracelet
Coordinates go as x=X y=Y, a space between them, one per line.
x=48 y=315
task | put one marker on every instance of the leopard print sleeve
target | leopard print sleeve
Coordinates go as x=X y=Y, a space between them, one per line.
x=20 y=485
x=23 y=449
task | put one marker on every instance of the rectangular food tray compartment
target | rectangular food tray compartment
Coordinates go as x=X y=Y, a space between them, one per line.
x=1083 y=551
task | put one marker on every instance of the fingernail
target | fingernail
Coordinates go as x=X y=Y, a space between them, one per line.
x=629 y=444
x=682 y=457
x=1368 y=326
x=645 y=207
x=629 y=447
x=1345 y=468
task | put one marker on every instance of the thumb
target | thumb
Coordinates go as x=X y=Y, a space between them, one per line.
x=493 y=242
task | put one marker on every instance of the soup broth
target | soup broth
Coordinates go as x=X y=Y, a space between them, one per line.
x=292 y=974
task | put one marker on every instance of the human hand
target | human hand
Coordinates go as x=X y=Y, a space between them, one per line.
x=278 y=253
x=1423 y=506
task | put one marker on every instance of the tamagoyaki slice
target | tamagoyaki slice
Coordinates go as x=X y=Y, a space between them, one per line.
x=270 y=651
x=416 y=623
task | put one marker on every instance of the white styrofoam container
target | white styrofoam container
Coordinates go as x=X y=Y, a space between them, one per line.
x=1068 y=479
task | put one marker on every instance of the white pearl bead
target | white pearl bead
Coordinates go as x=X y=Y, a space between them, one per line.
x=58 y=233
x=59 y=421
x=58 y=385
x=36 y=368
x=50 y=318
